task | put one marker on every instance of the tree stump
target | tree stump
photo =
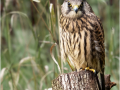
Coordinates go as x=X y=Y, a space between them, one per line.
x=82 y=80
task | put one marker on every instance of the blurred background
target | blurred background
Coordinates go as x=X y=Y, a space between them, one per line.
x=29 y=29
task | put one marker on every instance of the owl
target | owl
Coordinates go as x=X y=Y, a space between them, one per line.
x=82 y=37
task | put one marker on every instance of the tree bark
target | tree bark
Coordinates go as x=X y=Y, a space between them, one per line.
x=82 y=80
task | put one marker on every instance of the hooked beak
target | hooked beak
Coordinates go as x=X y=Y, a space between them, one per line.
x=75 y=7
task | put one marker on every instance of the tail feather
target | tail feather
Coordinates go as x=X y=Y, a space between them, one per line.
x=102 y=81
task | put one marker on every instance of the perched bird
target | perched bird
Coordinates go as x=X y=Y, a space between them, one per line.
x=82 y=37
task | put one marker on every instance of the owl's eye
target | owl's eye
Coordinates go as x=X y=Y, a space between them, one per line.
x=81 y=4
x=69 y=4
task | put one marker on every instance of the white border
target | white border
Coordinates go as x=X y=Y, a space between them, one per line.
x=0 y=38
x=119 y=46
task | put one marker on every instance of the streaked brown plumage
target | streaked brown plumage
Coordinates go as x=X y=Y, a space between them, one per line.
x=81 y=36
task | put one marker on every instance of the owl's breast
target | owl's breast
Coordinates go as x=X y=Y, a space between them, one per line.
x=77 y=37
x=77 y=46
x=76 y=25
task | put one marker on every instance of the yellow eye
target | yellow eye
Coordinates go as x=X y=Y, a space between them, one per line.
x=81 y=4
x=69 y=4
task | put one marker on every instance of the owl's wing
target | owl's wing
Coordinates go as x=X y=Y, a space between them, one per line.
x=99 y=42
x=101 y=53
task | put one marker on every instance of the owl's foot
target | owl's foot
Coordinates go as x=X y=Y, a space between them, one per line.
x=93 y=70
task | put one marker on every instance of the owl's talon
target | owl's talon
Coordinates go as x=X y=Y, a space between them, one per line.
x=87 y=68
x=93 y=70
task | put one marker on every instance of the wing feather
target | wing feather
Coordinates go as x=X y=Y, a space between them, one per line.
x=99 y=42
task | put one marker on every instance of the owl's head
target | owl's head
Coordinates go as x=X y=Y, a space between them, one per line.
x=75 y=8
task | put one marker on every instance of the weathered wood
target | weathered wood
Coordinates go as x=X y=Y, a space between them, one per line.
x=82 y=80
x=108 y=83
